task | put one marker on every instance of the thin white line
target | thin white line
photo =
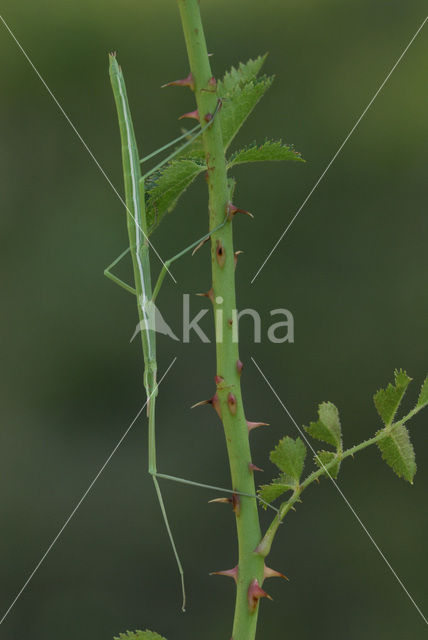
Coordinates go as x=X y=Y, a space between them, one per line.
x=82 y=140
x=339 y=150
x=302 y=433
x=36 y=568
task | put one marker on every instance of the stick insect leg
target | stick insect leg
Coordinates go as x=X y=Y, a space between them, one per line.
x=174 y=548
x=168 y=262
x=209 y=486
x=169 y=144
x=186 y=144
x=111 y=276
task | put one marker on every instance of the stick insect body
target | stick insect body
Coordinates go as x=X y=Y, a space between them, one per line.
x=139 y=249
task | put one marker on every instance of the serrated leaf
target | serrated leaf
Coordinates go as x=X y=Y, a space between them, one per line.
x=388 y=400
x=237 y=77
x=164 y=188
x=397 y=451
x=270 y=492
x=289 y=456
x=235 y=88
x=423 y=395
x=284 y=480
x=239 y=104
x=269 y=151
x=139 y=635
x=240 y=90
x=323 y=458
x=327 y=428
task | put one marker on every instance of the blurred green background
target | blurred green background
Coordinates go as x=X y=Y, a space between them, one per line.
x=352 y=270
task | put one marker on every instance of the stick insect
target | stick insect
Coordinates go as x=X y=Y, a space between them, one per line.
x=139 y=245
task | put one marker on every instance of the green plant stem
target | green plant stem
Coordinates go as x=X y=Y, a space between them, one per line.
x=265 y=546
x=224 y=302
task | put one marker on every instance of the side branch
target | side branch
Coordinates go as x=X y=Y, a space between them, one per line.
x=265 y=545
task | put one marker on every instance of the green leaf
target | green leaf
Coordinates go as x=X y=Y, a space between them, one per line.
x=239 y=97
x=270 y=492
x=239 y=104
x=164 y=188
x=398 y=452
x=285 y=481
x=323 y=458
x=388 y=400
x=139 y=635
x=327 y=428
x=269 y=151
x=423 y=396
x=239 y=90
x=238 y=77
x=289 y=456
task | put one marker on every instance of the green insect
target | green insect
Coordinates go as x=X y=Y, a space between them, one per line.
x=139 y=247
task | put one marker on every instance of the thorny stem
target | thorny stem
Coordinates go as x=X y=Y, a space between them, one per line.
x=265 y=546
x=224 y=301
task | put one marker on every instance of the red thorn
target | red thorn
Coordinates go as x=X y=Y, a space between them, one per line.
x=212 y=85
x=232 y=210
x=239 y=366
x=184 y=82
x=230 y=322
x=255 y=592
x=209 y=294
x=218 y=379
x=190 y=114
x=231 y=401
x=230 y=573
x=235 y=256
x=252 y=467
x=220 y=254
x=208 y=117
x=234 y=501
x=225 y=500
x=271 y=573
x=254 y=425
x=201 y=403
x=214 y=402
